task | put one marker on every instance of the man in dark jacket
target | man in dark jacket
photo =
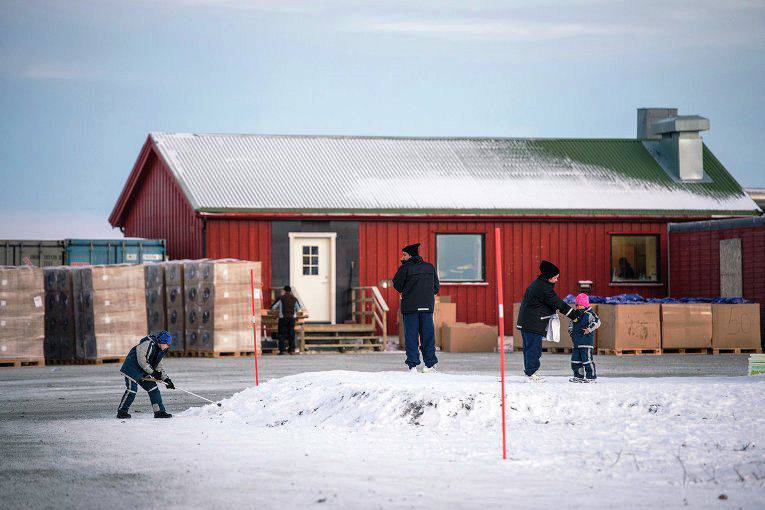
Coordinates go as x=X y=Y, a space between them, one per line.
x=143 y=367
x=288 y=307
x=540 y=302
x=417 y=282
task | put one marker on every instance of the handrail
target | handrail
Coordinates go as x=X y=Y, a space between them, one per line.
x=379 y=310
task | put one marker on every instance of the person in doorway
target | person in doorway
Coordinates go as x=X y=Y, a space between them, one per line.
x=288 y=307
x=539 y=304
x=143 y=367
x=583 y=337
x=417 y=282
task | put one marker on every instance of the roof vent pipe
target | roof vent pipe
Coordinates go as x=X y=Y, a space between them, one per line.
x=674 y=141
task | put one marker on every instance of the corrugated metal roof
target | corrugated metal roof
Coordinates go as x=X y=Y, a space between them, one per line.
x=471 y=175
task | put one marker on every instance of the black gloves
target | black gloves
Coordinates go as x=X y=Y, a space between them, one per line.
x=574 y=315
x=169 y=384
x=157 y=375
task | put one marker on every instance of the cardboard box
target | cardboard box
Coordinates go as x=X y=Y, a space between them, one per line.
x=22 y=313
x=477 y=337
x=629 y=327
x=517 y=340
x=736 y=326
x=686 y=326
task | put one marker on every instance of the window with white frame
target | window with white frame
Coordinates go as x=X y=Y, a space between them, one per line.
x=460 y=258
x=310 y=260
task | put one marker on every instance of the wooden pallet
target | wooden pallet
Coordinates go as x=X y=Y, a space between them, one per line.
x=21 y=362
x=219 y=354
x=557 y=350
x=98 y=361
x=736 y=350
x=629 y=352
x=687 y=350
x=342 y=337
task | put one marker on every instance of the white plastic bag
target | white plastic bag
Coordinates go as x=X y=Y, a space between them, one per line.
x=553 y=329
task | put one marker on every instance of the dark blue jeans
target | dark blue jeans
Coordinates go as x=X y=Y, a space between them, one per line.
x=418 y=329
x=532 y=351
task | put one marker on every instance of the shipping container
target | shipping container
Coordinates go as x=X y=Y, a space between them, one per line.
x=88 y=252
x=80 y=252
x=29 y=252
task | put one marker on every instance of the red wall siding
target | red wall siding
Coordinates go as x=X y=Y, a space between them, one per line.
x=580 y=249
x=242 y=239
x=695 y=264
x=159 y=210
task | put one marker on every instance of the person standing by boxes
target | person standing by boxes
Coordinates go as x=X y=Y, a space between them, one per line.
x=288 y=307
x=417 y=282
x=540 y=303
x=583 y=337
x=143 y=366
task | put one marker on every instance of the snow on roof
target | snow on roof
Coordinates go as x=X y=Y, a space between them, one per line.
x=460 y=175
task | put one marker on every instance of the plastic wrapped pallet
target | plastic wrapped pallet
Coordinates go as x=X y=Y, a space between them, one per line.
x=60 y=335
x=174 y=304
x=154 y=278
x=736 y=326
x=22 y=313
x=686 y=326
x=218 y=305
x=110 y=310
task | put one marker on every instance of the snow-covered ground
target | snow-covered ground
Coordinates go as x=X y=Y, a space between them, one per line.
x=397 y=440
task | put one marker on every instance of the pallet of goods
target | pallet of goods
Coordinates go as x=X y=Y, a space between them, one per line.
x=629 y=329
x=218 y=307
x=109 y=311
x=154 y=279
x=60 y=334
x=22 y=316
x=686 y=328
x=174 y=305
x=736 y=328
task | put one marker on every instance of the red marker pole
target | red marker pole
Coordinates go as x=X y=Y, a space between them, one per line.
x=501 y=339
x=254 y=324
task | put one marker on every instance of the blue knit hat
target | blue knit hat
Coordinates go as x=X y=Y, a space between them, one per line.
x=163 y=337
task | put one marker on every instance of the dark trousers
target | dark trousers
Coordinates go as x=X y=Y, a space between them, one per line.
x=419 y=330
x=582 y=362
x=532 y=351
x=151 y=388
x=287 y=334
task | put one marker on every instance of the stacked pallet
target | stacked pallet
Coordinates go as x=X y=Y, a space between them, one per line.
x=686 y=328
x=109 y=311
x=174 y=304
x=218 y=317
x=60 y=334
x=22 y=319
x=154 y=279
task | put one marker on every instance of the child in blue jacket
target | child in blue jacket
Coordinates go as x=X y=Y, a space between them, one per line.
x=143 y=366
x=583 y=337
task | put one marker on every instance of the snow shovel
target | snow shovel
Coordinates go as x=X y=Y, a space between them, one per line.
x=185 y=391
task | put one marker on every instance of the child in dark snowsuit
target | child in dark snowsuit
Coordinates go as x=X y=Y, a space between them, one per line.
x=143 y=366
x=583 y=337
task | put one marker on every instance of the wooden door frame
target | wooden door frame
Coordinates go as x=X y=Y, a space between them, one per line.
x=332 y=236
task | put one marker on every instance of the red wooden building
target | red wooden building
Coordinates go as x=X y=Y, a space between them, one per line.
x=327 y=214
x=719 y=258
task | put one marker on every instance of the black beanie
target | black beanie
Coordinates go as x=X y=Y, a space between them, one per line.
x=412 y=249
x=548 y=269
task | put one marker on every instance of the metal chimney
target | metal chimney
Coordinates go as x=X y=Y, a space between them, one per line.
x=674 y=141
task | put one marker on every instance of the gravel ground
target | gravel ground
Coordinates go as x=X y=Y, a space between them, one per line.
x=38 y=404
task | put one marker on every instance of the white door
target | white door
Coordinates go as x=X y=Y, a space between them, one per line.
x=312 y=273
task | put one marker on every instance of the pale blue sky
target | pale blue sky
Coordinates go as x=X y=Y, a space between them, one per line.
x=82 y=83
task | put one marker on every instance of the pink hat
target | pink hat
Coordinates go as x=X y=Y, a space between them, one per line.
x=582 y=299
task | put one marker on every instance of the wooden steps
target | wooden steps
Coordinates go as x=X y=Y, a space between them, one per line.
x=21 y=362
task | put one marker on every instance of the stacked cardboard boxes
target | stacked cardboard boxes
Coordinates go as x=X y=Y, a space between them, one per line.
x=22 y=314
x=218 y=315
x=174 y=304
x=109 y=310
x=686 y=326
x=444 y=314
x=633 y=327
x=154 y=278
x=736 y=326
x=60 y=335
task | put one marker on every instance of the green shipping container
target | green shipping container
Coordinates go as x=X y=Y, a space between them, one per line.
x=36 y=253
x=81 y=252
